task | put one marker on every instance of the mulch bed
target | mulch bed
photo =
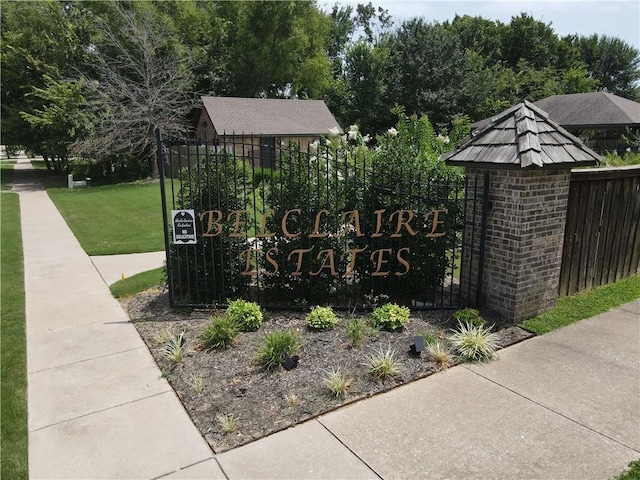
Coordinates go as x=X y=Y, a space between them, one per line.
x=266 y=402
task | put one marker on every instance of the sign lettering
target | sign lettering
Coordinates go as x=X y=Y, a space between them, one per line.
x=384 y=261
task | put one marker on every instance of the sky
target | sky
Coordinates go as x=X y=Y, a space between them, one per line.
x=583 y=17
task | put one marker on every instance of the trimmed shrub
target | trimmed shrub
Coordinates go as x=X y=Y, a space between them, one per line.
x=390 y=317
x=469 y=315
x=246 y=315
x=321 y=318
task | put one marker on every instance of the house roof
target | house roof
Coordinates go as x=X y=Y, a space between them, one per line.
x=520 y=137
x=587 y=111
x=269 y=116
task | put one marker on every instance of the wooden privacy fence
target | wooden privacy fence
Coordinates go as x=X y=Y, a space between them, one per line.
x=602 y=232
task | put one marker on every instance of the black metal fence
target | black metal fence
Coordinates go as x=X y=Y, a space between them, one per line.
x=293 y=225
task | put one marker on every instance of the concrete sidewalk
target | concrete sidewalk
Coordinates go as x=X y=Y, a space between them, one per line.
x=113 y=267
x=98 y=406
x=563 y=405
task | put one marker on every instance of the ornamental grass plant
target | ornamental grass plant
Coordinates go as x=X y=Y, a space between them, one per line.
x=275 y=346
x=384 y=364
x=474 y=343
x=220 y=332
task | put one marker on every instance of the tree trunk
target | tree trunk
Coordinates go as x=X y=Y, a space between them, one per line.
x=155 y=172
x=45 y=157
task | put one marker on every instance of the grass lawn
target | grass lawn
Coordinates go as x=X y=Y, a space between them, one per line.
x=137 y=283
x=113 y=219
x=6 y=174
x=569 y=310
x=13 y=343
x=110 y=219
x=632 y=473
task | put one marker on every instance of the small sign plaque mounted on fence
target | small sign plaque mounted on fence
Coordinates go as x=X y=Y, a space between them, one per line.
x=184 y=227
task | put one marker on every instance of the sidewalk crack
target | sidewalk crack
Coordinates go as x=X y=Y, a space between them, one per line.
x=348 y=448
x=100 y=411
x=88 y=359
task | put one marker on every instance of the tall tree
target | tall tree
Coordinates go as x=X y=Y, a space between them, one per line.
x=339 y=33
x=480 y=35
x=530 y=40
x=41 y=42
x=141 y=84
x=612 y=62
x=374 y=22
x=365 y=89
x=201 y=29
x=278 y=49
x=60 y=121
x=429 y=72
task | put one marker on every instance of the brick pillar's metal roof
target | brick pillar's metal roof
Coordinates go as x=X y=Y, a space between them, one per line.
x=522 y=136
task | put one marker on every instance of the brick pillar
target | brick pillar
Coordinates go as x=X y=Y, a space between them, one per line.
x=517 y=274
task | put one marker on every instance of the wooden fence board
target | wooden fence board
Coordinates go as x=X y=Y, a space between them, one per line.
x=602 y=230
x=625 y=231
x=605 y=235
x=569 y=236
x=634 y=239
x=632 y=216
x=613 y=239
x=594 y=206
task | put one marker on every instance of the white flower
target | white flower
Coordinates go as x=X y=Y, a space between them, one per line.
x=344 y=138
x=444 y=140
x=393 y=132
x=313 y=147
x=353 y=128
x=353 y=134
x=366 y=138
x=334 y=132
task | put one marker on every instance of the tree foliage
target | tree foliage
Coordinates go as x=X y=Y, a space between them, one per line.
x=612 y=62
x=278 y=49
x=428 y=71
x=138 y=65
x=42 y=42
x=141 y=84
x=60 y=122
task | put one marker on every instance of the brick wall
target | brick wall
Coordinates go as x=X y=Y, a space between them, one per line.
x=524 y=239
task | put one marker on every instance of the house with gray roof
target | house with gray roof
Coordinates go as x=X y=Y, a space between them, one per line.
x=257 y=127
x=598 y=118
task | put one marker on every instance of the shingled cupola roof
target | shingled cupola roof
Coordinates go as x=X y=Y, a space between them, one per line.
x=522 y=136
